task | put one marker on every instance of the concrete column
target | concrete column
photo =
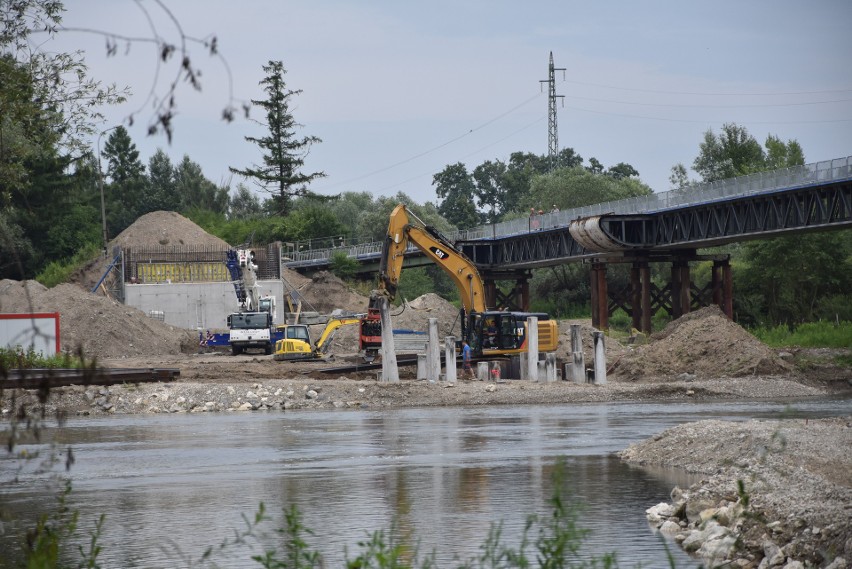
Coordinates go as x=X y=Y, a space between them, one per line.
x=495 y=372
x=578 y=366
x=421 y=366
x=450 y=358
x=603 y=297
x=600 y=359
x=390 y=371
x=532 y=348
x=523 y=366
x=433 y=352
x=550 y=368
x=482 y=371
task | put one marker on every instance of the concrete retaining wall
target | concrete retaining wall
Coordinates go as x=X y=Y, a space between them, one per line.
x=195 y=305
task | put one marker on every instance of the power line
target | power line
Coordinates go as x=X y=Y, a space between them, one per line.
x=706 y=93
x=667 y=119
x=433 y=149
x=731 y=106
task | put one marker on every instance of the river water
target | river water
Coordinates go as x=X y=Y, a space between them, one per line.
x=172 y=485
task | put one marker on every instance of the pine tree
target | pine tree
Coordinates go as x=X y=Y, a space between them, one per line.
x=283 y=153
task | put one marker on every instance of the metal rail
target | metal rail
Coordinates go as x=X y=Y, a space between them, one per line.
x=44 y=378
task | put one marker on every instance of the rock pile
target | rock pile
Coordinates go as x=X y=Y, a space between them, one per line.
x=777 y=492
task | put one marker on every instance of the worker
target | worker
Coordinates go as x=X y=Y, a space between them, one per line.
x=555 y=209
x=490 y=334
x=467 y=370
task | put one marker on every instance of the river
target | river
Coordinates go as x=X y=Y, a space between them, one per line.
x=172 y=485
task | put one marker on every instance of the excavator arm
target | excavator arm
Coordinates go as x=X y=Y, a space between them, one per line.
x=436 y=247
x=328 y=333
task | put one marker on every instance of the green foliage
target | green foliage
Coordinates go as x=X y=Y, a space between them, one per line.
x=575 y=187
x=809 y=335
x=455 y=187
x=283 y=153
x=788 y=280
x=18 y=358
x=57 y=272
x=342 y=265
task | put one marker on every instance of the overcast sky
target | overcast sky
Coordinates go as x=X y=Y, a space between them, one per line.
x=398 y=90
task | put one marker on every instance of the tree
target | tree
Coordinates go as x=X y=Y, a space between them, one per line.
x=490 y=188
x=245 y=204
x=595 y=167
x=283 y=153
x=781 y=155
x=576 y=187
x=161 y=192
x=127 y=182
x=456 y=189
x=195 y=191
x=622 y=170
x=679 y=178
x=733 y=153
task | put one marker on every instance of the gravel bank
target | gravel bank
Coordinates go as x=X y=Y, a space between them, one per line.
x=794 y=509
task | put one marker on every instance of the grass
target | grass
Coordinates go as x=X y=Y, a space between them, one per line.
x=58 y=272
x=18 y=358
x=809 y=335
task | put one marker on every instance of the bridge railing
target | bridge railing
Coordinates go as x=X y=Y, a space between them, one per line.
x=839 y=169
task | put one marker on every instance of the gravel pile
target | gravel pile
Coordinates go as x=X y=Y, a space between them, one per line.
x=796 y=504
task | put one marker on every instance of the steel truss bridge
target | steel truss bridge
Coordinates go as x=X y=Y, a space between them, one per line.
x=664 y=227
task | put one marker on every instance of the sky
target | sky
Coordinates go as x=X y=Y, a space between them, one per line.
x=399 y=90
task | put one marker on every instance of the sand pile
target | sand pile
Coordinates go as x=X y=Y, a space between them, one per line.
x=100 y=326
x=162 y=228
x=704 y=343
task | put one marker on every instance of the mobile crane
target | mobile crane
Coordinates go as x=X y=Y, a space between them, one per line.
x=488 y=332
x=296 y=341
x=251 y=327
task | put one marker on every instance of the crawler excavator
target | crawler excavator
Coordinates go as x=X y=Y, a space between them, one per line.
x=488 y=332
x=295 y=344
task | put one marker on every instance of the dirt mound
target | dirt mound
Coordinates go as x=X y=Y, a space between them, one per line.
x=160 y=228
x=155 y=229
x=325 y=293
x=704 y=343
x=614 y=349
x=100 y=326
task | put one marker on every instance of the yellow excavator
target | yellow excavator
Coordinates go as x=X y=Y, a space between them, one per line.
x=489 y=332
x=296 y=342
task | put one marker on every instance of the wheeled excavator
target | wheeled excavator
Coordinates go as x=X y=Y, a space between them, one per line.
x=489 y=332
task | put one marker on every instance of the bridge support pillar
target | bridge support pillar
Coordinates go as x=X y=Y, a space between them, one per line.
x=517 y=299
x=681 y=285
x=600 y=298
x=723 y=287
x=640 y=297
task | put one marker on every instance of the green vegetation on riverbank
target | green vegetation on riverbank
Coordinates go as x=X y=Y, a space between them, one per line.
x=820 y=334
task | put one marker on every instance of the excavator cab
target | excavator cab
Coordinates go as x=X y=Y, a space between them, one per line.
x=496 y=332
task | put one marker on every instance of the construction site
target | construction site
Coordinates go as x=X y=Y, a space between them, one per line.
x=151 y=304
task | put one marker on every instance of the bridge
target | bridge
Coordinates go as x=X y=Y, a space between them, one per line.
x=668 y=227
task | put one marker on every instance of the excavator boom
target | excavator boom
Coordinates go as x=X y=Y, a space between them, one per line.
x=401 y=233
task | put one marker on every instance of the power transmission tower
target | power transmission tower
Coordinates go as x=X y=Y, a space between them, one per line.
x=552 y=130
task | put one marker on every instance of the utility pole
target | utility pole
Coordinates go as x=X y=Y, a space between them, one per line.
x=552 y=131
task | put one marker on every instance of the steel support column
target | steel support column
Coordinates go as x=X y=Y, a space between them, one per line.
x=681 y=289
x=728 y=288
x=635 y=297
x=645 y=303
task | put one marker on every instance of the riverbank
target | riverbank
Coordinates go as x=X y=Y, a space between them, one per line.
x=220 y=383
x=776 y=493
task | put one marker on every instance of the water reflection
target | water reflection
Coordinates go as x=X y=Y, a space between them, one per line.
x=173 y=485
